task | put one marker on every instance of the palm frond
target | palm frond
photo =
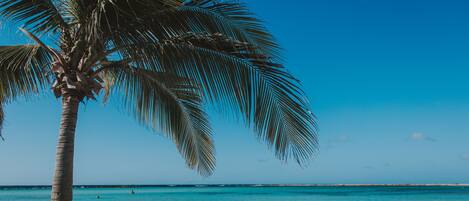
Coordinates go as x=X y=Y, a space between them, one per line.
x=37 y=15
x=110 y=20
x=173 y=105
x=234 y=74
x=232 y=18
x=80 y=10
x=162 y=20
x=22 y=70
x=21 y=73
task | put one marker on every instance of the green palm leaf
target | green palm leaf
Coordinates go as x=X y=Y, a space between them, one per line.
x=37 y=15
x=173 y=105
x=161 y=20
x=232 y=18
x=235 y=74
x=22 y=72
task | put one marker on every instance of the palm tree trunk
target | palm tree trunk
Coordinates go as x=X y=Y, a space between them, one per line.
x=63 y=177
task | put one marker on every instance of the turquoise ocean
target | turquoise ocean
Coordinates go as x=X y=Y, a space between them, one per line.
x=252 y=193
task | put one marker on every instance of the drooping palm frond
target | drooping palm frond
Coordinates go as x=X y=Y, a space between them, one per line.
x=23 y=70
x=170 y=104
x=36 y=15
x=234 y=74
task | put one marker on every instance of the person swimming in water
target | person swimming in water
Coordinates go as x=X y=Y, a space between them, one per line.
x=132 y=192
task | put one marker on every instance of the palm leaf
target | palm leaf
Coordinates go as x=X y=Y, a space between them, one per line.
x=235 y=74
x=232 y=18
x=37 y=15
x=22 y=72
x=173 y=105
x=162 y=20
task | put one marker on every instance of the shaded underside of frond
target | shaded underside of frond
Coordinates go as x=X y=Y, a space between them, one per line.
x=170 y=104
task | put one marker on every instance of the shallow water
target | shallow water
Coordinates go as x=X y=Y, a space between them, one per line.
x=251 y=194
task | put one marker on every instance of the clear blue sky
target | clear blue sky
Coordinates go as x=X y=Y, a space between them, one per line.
x=387 y=79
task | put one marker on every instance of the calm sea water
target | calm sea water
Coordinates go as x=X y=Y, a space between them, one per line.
x=252 y=194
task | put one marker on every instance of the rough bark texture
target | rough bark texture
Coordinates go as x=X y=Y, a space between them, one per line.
x=63 y=178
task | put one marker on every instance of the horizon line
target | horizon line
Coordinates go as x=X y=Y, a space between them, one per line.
x=243 y=185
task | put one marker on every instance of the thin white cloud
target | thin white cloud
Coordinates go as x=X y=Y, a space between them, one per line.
x=421 y=137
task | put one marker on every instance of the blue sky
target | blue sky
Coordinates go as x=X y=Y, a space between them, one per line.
x=387 y=80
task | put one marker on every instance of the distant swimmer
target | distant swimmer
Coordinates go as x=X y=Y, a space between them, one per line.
x=132 y=192
x=98 y=197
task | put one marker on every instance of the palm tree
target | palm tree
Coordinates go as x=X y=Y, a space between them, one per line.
x=164 y=60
